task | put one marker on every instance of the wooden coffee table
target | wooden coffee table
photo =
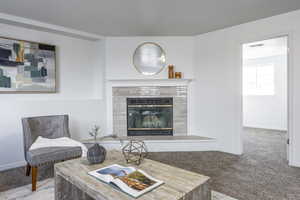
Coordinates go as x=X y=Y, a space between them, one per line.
x=73 y=183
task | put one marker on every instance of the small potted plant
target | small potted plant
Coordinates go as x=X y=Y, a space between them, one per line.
x=97 y=153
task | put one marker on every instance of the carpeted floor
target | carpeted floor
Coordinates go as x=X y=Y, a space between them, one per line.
x=14 y=178
x=261 y=173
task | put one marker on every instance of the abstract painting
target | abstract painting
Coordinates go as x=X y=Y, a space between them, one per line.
x=27 y=66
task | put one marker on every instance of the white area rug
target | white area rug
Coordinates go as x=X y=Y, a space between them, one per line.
x=45 y=191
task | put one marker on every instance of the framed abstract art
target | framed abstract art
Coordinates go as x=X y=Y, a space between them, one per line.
x=26 y=66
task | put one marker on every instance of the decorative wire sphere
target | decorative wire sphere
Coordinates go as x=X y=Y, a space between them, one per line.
x=135 y=151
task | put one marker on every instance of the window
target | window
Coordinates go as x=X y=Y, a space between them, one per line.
x=258 y=80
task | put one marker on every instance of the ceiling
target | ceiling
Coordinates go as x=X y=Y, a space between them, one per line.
x=147 y=17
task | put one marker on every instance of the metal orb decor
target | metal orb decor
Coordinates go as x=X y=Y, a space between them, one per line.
x=135 y=151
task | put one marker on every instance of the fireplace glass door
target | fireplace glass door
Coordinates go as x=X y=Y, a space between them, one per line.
x=149 y=116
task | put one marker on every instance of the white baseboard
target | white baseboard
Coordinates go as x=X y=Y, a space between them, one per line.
x=266 y=128
x=12 y=165
x=294 y=164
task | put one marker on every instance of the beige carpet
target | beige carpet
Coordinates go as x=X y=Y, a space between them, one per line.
x=261 y=173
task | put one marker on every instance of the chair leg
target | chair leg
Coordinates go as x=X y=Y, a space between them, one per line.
x=34 y=171
x=28 y=168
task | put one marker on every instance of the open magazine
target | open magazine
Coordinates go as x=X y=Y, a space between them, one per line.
x=132 y=181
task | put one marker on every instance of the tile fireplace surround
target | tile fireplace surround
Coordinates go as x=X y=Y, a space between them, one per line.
x=119 y=106
x=183 y=139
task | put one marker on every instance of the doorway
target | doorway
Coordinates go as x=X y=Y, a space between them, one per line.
x=265 y=94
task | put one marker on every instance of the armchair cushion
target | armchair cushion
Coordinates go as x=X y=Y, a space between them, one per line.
x=51 y=127
x=52 y=154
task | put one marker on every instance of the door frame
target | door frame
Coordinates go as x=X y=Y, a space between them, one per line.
x=290 y=132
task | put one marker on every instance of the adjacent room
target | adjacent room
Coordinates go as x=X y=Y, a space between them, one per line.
x=265 y=95
x=149 y=100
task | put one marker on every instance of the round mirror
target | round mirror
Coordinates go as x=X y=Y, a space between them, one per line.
x=149 y=58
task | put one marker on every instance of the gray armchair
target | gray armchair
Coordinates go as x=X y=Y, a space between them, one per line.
x=49 y=127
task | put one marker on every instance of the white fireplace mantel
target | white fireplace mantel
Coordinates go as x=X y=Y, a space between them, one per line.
x=147 y=82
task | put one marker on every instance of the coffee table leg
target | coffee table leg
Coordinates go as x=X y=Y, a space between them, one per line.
x=202 y=192
x=58 y=187
x=64 y=190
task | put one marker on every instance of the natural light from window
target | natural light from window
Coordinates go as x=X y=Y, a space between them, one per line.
x=262 y=61
x=259 y=80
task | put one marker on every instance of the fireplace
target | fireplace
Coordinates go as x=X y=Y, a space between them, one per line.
x=149 y=116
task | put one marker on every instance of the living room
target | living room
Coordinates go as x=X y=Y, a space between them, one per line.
x=99 y=81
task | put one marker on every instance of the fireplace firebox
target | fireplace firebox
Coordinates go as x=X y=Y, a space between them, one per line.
x=149 y=116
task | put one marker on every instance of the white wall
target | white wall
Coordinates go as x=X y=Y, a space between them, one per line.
x=80 y=65
x=214 y=60
x=268 y=111
x=219 y=79
x=119 y=53
x=217 y=90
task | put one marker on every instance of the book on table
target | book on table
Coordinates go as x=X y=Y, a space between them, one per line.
x=129 y=180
